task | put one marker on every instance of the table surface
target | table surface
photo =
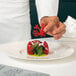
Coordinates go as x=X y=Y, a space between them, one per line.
x=13 y=71
x=62 y=67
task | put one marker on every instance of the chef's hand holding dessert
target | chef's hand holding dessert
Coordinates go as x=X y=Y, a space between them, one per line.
x=53 y=26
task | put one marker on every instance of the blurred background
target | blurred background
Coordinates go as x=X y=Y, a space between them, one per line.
x=66 y=8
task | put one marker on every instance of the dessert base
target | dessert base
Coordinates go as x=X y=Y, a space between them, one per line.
x=38 y=55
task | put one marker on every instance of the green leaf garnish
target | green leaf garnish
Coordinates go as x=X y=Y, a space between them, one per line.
x=34 y=48
x=38 y=50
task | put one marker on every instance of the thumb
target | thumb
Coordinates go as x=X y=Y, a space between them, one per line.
x=49 y=27
x=42 y=24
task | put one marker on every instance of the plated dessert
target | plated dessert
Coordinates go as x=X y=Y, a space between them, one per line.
x=37 y=48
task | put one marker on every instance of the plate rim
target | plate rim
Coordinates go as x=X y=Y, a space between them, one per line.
x=72 y=50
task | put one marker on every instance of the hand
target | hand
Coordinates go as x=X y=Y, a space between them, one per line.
x=53 y=26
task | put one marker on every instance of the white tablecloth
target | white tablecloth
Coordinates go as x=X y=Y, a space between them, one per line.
x=62 y=67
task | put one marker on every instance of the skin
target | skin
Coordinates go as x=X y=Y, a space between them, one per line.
x=54 y=26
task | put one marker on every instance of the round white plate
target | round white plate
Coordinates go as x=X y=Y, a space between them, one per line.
x=57 y=51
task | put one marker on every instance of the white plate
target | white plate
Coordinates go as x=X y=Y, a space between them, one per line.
x=57 y=51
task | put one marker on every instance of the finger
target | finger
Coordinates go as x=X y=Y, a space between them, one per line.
x=49 y=27
x=42 y=23
x=60 y=29
x=59 y=35
x=51 y=32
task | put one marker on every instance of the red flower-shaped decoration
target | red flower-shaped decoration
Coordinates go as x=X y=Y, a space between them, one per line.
x=39 y=31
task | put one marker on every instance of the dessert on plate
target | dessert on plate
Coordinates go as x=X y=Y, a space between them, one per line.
x=37 y=48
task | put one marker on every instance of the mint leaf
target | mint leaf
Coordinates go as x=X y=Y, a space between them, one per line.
x=35 y=45
x=40 y=50
x=34 y=48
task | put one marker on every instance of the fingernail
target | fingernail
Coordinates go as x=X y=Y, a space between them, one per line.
x=56 y=39
x=45 y=30
x=55 y=36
